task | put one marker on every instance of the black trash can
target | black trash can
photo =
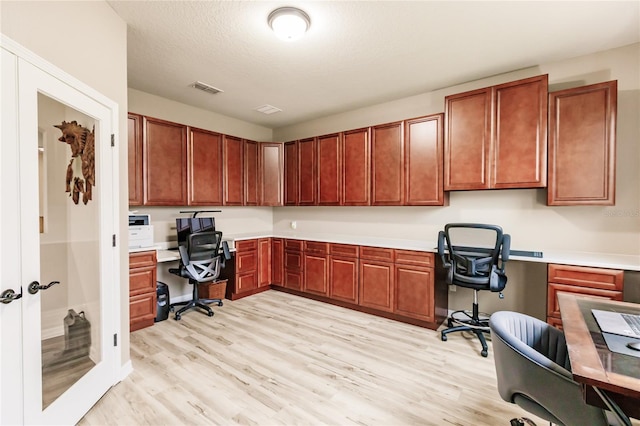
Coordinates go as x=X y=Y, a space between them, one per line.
x=162 y=296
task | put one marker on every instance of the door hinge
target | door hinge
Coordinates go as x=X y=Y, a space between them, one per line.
x=115 y=339
x=113 y=139
x=113 y=240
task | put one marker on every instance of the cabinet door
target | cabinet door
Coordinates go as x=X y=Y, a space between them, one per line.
x=582 y=145
x=343 y=278
x=165 y=163
x=467 y=140
x=520 y=140
x=251 y=184
x=271 y=174
x=277 y=261
x=329 y=170
x=205 y=168
x=264 y=262
x=414 y=291
x=290 y=173
x=376 y=285
x=307 y=182
x=135 y=159
x=233 y=171
x=423 y=162
x=356 y=167
x=247 y=281
x=316 y=272
x=387 y=165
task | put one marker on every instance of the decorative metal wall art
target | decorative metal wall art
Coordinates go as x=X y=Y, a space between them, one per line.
x=79 y=179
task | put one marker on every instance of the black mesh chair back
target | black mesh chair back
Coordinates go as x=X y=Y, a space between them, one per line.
x=474 y=256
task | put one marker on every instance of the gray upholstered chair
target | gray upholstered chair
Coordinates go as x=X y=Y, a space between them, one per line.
x=533 y=371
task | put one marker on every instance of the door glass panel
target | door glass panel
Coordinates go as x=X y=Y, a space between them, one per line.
x=69 y=247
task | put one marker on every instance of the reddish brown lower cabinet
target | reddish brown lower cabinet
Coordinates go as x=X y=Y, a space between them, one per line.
x=377 y=280
x=583 y=281
x=142 y=289
x=343 y=278
x=414 y=285
x=264 y=262
x=316 y=268
x=293 y=264
x=277 y=261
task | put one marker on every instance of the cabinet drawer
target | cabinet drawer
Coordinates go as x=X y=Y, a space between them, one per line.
x=411 y=257
x=142 y=311
x=376 y=253
x=293 y=245
x=293 y=261
x=293 y=279
x=582 y=276
x=247 y=281
x=346 y=250
x=247 y=261
x=246 y=245
x=142 y=280
x=553 y=308
x=142 y=258
x=316 y=247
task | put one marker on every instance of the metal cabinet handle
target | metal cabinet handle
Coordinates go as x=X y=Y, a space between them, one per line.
x=35 y=286
x=9 y=296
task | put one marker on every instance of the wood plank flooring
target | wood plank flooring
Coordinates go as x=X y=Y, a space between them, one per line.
x=278 y=359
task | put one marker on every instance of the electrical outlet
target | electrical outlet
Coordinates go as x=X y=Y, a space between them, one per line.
x=294 y=224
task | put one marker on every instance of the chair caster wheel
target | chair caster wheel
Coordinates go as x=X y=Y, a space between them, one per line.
x=210 y=313
x=177 y=317
x=484 y=353
x=171 y=309
x=443 y=337
x=220 y=303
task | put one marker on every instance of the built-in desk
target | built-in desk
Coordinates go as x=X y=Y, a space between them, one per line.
x=612 y=375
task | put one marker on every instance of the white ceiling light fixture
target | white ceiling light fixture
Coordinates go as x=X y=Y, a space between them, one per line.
x=289 y=23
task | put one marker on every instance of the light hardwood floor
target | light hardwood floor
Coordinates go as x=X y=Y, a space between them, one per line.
x=279 y=359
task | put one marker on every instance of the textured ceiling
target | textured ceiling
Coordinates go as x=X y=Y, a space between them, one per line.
x=356 y=53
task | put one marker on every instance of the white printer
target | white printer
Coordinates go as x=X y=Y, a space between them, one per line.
x=140 y=231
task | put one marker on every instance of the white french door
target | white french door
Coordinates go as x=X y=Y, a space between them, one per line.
x=59 y=271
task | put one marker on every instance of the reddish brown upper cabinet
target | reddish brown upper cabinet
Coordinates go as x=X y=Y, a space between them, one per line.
x=423 y=156
x=290 y=173
x=329 y=170
x=251 y=175
x=271 y=174
x=356 y=168
x=496 y=137
x=164 y=163
x=307 y=183
x=205 y=168
x=582 y=145
x=387 y=165
x=135 y=159
x=233 y=171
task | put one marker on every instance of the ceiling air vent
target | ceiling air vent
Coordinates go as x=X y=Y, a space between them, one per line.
x=267 y=109
x=206 y=88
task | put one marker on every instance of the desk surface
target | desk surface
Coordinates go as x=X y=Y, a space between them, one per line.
x=591 y=361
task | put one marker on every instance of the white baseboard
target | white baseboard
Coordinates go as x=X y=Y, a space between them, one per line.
x=125 y=370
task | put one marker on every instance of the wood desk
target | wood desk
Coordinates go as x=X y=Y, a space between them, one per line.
x=592 y=363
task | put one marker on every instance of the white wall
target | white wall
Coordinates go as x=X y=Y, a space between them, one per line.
x=89 y=41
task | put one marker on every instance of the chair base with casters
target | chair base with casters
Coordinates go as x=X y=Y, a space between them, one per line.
x=476 y=268
x=472 y=323
x=195 y=302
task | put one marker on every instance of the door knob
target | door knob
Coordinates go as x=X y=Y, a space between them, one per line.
x=35 y=286
x=9 y=296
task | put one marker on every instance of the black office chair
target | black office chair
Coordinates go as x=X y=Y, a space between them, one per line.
x=200 y=262
x=476 y=267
